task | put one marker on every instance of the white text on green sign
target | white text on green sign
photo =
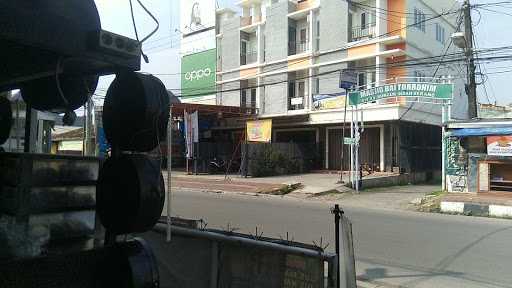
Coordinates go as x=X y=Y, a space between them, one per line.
x=424 y=90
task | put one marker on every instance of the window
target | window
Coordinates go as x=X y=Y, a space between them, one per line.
x=440 y=36
x=361 y=80
x=419 y=19
x=248 y=98
x=243 y=52
x=363 y=20
x=317 y=85
x=301 y=89
x=303 y=35
x=419 y=76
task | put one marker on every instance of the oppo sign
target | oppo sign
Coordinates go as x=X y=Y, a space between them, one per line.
x=198 y=70
x=198 y=74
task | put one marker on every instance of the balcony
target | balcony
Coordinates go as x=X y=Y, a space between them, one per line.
x=295 y=48
x=248 y=58
x=246 y=21
x=300 y=5
x=362 y=32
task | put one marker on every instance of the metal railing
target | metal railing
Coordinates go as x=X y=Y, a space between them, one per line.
x=298 y=47
x=248 y=58
x=362 y=32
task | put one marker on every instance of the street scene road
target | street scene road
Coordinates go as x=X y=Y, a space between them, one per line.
x=396 y=248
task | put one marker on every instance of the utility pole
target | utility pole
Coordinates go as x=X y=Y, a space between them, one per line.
x=89 y=145
x=471 y=87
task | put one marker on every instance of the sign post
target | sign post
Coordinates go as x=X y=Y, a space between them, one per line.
x=348 y=79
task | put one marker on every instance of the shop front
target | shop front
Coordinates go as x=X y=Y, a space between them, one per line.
x=478 y=156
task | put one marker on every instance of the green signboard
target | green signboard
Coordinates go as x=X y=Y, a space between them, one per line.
x=198 y=73
x=424 y=90
x=349 y=141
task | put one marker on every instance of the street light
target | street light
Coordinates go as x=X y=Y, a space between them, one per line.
x=459 y=39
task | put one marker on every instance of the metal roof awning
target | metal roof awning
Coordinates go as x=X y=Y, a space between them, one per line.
x=463 y=132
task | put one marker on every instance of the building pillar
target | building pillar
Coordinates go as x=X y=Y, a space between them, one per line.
x=382 y=151
x=381 y=28
x=259 y=45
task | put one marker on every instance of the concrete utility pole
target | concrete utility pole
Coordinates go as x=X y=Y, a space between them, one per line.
x=471 y=88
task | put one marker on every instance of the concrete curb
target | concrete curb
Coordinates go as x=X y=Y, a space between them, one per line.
x=476 y=209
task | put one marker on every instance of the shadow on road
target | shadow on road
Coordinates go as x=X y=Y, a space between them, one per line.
x=440 y=269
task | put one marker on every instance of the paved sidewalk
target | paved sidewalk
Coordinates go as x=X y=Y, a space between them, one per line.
x=221 y=185
x=316 y=187
x=312 y=183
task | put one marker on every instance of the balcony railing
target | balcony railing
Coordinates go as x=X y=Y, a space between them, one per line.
x=363 y=32
x=297 y=47
x=248 y=58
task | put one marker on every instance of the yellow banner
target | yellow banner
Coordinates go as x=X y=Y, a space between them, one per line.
x=259 y=130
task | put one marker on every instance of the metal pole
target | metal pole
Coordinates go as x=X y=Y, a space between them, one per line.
x=88 y=128
x=443 y=148
x=468 y=29
x=337 y=216
x=358 y=137
x=17 y=125
x=169 y=174
x=351 y=176
x=343 y=135
x=28 y=128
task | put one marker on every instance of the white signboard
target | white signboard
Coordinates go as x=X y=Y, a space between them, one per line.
x=197 y=26
x=297 y=101
x=196 y=15
x=499 y=145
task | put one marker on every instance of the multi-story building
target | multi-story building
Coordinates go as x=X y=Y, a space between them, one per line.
x=284 y=57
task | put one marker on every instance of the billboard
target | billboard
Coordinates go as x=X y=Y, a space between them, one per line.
x=198 y=73
x=196 y=16
x=197 y=26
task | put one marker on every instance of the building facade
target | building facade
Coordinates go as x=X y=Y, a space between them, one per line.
x=284 y=58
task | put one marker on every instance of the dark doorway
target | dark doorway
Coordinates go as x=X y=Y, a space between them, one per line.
x=369 y=150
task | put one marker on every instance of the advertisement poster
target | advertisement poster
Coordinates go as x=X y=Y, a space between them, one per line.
x=331 y=101
x=259 y=130
x=499 y=145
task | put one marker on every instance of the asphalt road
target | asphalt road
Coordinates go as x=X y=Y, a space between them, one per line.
x=394 y=247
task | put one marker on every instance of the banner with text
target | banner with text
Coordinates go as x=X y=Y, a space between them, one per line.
x=259 y=130
x=423 y=90
x=499 y=145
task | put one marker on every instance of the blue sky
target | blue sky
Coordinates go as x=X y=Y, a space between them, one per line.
x=494 y=29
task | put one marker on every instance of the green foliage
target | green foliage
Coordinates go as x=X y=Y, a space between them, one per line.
x=270 y=161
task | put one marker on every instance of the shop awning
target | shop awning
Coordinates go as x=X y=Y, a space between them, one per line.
x=481 y=131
